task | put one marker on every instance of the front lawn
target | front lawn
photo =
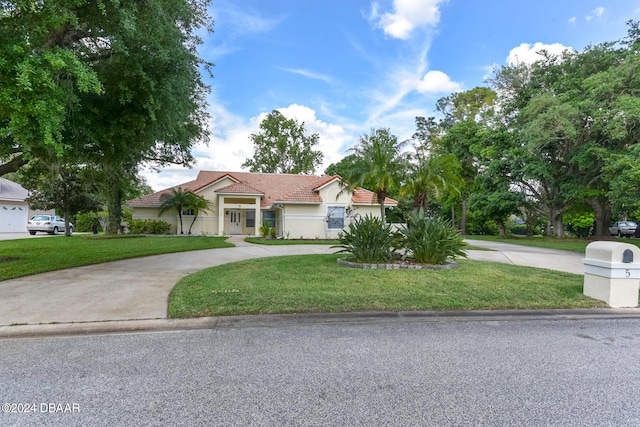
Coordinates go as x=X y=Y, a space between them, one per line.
x=566 y=244
x=38 y=255
x=315 y=283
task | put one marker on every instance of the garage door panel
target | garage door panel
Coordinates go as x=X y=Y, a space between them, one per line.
x=13 y=219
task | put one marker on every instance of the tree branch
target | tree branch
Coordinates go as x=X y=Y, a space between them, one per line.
x=13 y=165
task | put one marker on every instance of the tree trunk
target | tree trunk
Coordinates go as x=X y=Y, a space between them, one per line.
x=114 y=206
x=602 y=211
x=463 y=218
x=382 y=195
x=502 y=228
x=555 y=216
x=453 y=216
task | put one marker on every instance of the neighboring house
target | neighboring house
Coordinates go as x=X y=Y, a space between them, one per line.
x=14 y=210
x=297 y=206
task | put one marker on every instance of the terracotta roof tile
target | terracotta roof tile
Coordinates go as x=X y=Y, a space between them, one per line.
x=366 y=197
x=274 y=188
x=239 y=188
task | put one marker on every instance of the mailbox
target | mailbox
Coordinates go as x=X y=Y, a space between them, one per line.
x=612 y=273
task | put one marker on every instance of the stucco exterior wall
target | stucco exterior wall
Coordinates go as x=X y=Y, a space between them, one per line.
x=293 y=220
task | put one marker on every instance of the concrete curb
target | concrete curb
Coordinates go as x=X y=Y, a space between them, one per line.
x=281 y=320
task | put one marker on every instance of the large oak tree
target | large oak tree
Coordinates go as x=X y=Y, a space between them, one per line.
x=109 y=85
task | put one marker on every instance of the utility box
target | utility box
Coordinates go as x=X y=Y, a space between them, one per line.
x=612 y=273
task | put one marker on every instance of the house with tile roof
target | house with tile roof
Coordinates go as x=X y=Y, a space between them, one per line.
x=14 y=209
x=297 y=206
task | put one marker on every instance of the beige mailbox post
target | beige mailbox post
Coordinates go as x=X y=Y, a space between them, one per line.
x=612 y=273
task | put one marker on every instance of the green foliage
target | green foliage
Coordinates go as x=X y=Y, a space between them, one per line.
x=59 y=187
x=265 y=229
x=343 y=167
x=87 y=222
x=379 y=165
x=104 y=84
x=579 y=223
x=148 y=226
x=199 y=204
x=431 y=240
x=433 y=175
x=177 y=199
x=518 y=229
x=281 y=146
x=368 y=239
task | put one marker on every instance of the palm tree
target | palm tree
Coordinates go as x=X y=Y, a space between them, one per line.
x=433 y=175
x=379 y=165
x=177 y=199
x=198 y=204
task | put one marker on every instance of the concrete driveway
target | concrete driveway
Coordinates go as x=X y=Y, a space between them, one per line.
x=569 y=262
x=138 y=289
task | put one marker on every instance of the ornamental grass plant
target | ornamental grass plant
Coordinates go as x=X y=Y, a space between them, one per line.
x=368 y=239
x=431 y=240
x=423 y=240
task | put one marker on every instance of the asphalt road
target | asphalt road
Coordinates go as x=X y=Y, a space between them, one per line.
x=379 y=373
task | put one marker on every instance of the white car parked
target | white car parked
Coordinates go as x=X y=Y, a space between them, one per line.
x=48 y=223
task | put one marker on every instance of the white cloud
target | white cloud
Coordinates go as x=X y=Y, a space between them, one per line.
x=333 y=137
x=572 y=20
x=437 y=82
x=595 y=13
x=407 y=16
x=307 y=73
x=528 y=54
x=230 y=145
x=245 y=21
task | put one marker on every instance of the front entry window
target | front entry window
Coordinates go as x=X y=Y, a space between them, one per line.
x=335 y=217
x=250 y=219
x=269 y=217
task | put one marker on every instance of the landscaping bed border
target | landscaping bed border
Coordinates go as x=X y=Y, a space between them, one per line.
x=397 y=266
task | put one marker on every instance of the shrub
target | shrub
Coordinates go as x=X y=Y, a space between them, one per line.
x=265 y=229
x=368 y=239
x=431 y=240
x=87 y=221
x=148 y=226
x=519 y=229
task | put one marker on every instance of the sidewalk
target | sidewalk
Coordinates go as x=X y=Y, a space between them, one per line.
x=138 y=289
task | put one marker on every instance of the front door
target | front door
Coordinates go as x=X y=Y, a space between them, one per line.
x=235 y=221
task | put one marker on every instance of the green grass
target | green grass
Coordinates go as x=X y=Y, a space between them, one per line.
x=567 y=244
x=315 y=283
x=275 y=242
x=31 y=256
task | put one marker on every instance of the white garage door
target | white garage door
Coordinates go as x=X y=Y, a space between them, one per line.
x=13 y=219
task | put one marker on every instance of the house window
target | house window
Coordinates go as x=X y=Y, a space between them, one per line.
x=250 y=219
x=269 y=217
x=335 y=217
x=187 y=212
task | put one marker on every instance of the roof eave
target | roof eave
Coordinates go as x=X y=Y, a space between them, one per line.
x=292 y=202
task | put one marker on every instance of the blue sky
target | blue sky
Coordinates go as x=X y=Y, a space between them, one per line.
x=344 y=67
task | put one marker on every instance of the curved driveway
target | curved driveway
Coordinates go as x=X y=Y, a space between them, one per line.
x=137 y=289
